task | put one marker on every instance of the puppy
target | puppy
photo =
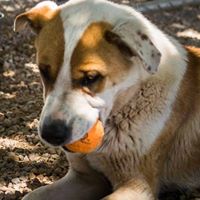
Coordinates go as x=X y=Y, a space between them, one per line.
x=101 y=60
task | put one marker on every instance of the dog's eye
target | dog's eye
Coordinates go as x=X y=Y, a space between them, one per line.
x=90 y=78
x=44 y=71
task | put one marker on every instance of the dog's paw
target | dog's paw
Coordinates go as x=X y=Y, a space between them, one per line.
x=38 y=194
x=33 y=196
x=30 y=196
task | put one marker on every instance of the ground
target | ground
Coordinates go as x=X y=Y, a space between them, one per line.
x=25 y=162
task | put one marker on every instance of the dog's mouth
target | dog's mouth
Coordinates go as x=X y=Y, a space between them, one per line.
x=91 y=140
x=58 y=133
x=66 y=144
x=66 y=149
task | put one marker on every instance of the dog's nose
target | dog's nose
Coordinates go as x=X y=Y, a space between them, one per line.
x=55 y=132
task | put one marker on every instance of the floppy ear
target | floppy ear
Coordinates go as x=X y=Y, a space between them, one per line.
x=36 y=17
x=135 y=43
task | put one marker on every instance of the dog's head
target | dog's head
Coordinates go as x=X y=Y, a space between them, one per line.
x=87 y=52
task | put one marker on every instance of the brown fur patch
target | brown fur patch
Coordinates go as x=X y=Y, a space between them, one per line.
x=94 y=53
x=36 y=18
x=177 y=149
x=113 y=38
x=50 y=49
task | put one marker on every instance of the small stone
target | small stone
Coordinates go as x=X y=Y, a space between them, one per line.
x=21 y=158
x=26 y=159
x=12 y=155
x=16 y=187
x=15 y=180
x=34 y=157
x=54 y=156
x=46 y=155
x=10 y=185
x=32 y=176
x=52 y=150
x=23 y=184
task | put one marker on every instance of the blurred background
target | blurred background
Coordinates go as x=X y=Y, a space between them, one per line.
x=26 y=163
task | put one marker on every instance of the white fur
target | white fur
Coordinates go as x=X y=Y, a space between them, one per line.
x=52 y=5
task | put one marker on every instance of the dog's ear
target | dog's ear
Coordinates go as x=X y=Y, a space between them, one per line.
x=135 y=43
x=36 y=17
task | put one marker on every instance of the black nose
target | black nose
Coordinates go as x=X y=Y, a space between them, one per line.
x=55 y=132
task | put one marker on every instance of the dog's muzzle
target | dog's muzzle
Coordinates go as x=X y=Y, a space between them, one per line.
x=55 y=132
x=67 y=118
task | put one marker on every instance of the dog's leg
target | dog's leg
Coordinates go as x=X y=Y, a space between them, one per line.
x=74 y=186
x=137 y=189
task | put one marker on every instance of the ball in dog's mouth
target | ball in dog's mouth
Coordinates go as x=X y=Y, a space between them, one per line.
x=90 y=141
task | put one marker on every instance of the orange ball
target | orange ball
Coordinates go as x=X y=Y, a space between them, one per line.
x=90 y=141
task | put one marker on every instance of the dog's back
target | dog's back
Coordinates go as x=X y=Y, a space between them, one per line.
x=182 y=131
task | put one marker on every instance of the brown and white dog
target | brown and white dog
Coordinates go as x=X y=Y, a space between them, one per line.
x=100 y=60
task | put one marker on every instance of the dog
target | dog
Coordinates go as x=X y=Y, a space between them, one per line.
x=102 y=61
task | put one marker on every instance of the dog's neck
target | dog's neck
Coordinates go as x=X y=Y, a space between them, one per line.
x=123 y=99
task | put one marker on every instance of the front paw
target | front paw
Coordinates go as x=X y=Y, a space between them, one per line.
x=30 y=196
x=38 y=194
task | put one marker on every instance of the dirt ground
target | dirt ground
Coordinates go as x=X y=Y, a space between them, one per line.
x=26 y=163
